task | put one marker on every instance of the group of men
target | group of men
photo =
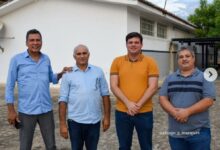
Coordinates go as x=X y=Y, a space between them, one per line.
x=185 y=95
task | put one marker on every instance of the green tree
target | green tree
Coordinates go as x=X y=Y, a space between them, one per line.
x=215 y=31
x=207 y=19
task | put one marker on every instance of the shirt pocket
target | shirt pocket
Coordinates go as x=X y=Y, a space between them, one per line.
x=94 y=84
x=43 y=73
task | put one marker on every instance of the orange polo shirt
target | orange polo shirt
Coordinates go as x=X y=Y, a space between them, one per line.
x=133 y=79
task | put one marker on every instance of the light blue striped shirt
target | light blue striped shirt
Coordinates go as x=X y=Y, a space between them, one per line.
x=33 y=80
x=83 y=91
x=183 y=92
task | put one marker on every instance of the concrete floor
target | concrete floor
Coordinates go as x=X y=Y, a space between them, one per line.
x=108 y=140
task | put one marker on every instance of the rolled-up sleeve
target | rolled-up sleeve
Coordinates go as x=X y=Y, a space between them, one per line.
x=64 y=89
x=52 y=76
x=103 y=85
x=209 y=90
x=11 y=80
x=164 y=88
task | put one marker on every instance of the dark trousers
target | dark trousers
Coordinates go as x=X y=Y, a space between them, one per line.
x=83 y=133
x=125 y=124
x=28 y=124
x=198 y=141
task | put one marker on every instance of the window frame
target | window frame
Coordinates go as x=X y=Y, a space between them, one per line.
x=161 y=30
x=148 y=28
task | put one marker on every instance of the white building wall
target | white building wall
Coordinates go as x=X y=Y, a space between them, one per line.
x=133 y=20
x=164 y=60
x=64 y=24
x=177 y=33
x=153 y=42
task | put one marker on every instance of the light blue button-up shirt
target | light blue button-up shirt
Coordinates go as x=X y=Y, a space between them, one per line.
x=33 y=80
x=83 y=91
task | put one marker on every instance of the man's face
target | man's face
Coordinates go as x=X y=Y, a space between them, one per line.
x=34 y=43
x=134 y=45
x=81 y=56
x=186 y=61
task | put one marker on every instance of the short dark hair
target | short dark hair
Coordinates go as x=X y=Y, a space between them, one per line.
x=132 y=35
x=32 y=31
x=183 y=48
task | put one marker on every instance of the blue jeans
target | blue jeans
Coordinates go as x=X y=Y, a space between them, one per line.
x=200 y=141
x=125 y=124
x=83 y=133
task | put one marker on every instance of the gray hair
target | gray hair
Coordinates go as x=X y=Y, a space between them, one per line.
x=188 y=48
x=80 y=46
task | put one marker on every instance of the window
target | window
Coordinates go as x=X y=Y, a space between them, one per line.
x=161 y=31
x=147 y=27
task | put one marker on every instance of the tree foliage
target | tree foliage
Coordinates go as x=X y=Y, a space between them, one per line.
x=207 y=19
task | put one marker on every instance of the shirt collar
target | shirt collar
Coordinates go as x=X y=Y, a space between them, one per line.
x=76 y=68
x=26 y=54
x=194 y=73
x=140 y=58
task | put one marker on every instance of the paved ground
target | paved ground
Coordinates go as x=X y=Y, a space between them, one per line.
x=108 y=140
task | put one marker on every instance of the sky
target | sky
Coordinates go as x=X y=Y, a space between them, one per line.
x=181 y=8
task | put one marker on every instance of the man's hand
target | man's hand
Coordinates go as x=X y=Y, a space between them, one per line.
x=62 y=118
x=133 y=108
x=67 y=69
x=105 y=123
x=182 y=115
x=12 y=117
x=64 y=131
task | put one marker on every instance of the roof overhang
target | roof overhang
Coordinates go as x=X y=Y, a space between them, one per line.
x=165 y=12
x=127 y=2
x=13 y=5
x=140 y=5
x=150 y=8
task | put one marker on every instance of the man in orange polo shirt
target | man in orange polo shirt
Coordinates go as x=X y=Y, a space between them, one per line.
x=134 y=80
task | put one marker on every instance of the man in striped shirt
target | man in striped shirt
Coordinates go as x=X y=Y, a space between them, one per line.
x=186 y=96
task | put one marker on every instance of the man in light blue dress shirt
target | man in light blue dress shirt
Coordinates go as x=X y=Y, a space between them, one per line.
x=32 y=72
x=82 y=92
